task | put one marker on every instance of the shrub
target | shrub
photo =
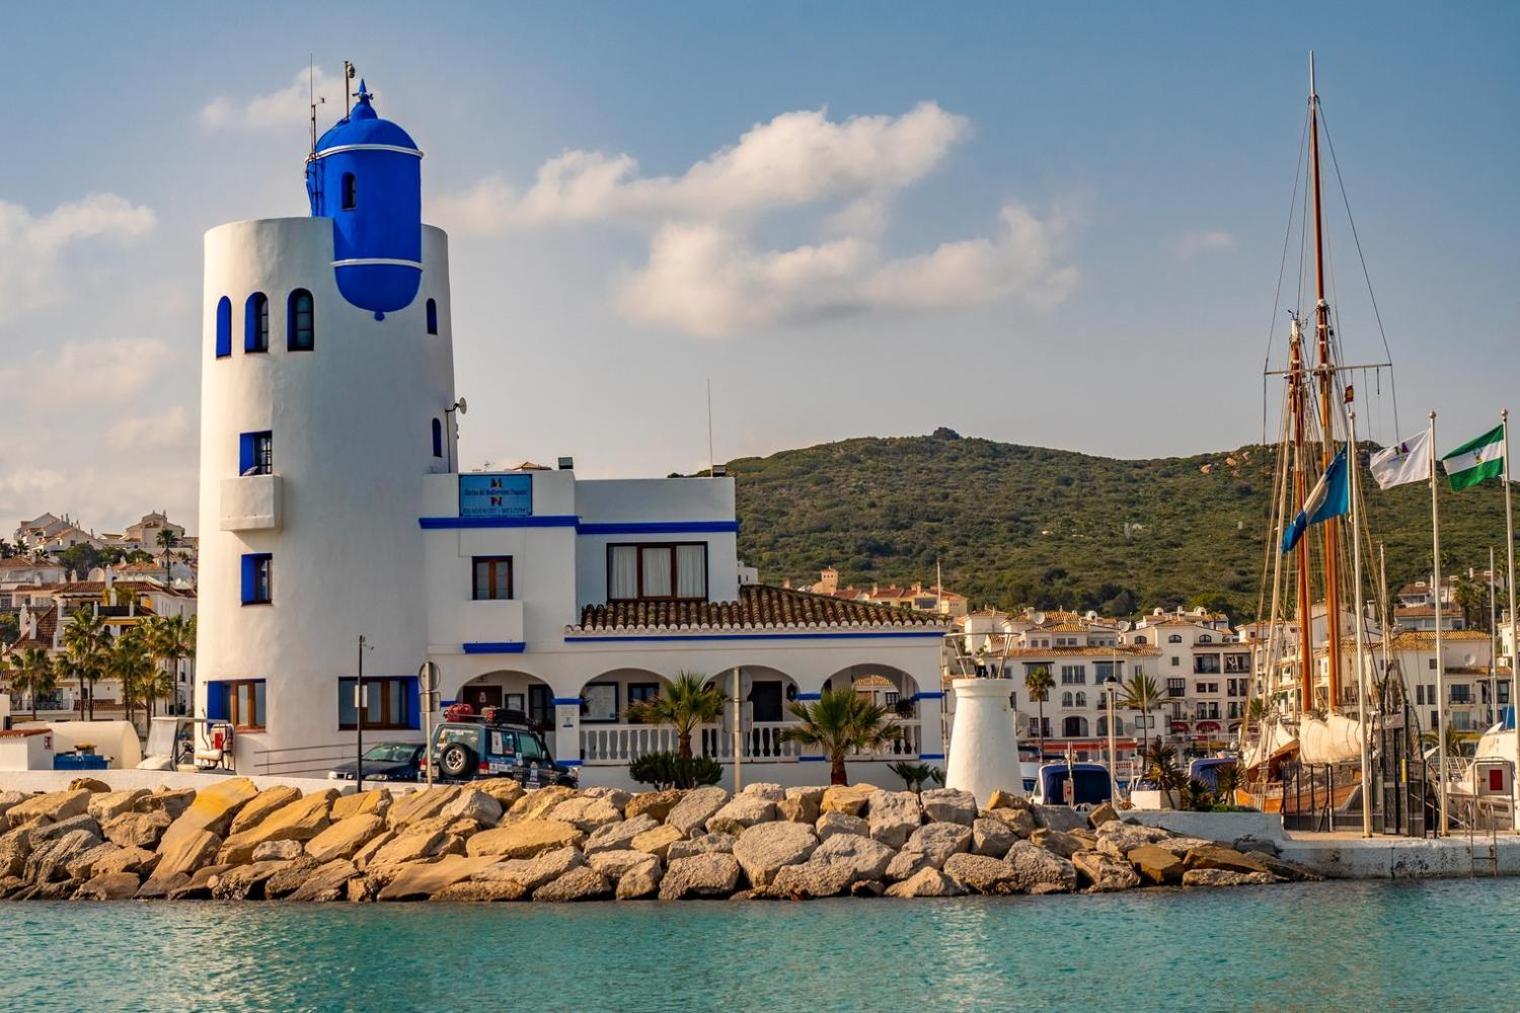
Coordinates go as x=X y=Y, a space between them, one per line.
x=671 y=770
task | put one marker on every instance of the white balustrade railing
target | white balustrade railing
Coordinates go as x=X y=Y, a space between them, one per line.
x=616 y=744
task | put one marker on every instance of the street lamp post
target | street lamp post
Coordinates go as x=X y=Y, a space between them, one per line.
x=448 y=438
x=360 y=706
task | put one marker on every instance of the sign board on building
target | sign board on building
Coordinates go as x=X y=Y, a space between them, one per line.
x=1493 y=778
x=495 y=495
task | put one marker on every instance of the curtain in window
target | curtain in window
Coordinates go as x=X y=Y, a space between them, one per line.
x=691 y=571
x=655 y=564
x=623 y=581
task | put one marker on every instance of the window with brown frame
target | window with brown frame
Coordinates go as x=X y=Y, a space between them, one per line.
x=657 y=571
x=389 y=706
x=493 y=578
x=245 y=704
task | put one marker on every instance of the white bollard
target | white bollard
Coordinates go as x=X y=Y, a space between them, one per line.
x=984 y=746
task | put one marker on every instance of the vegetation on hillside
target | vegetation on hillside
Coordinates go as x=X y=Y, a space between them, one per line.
x=1014 y=525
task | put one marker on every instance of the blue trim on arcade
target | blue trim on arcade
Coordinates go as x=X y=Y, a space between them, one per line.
x=931 y=695
x=655 y=527
x=931 y=756
x=567 y=701
x=809 y=696
x=570 y=763
x=581 y=528
x=546 y=521
x=936 y=634
x=812 y=759
x=494 y=647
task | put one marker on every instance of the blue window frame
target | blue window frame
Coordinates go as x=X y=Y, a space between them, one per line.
x=432 y=316
x=300 y=322
x=223 y=328
x=258 y=578
x=437 y=438
x=256 y=323
x=256 y=453
x=240 y=701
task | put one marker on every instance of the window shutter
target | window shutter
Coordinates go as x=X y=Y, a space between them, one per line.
x=250 y=577
x=413 y=716
x=245 y=452
x=216 y=701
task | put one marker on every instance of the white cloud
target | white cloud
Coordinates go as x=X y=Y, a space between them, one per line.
x=33 y=248
x=167 y=429
x=109 y=368
x=1191 y=244
x=281 y=108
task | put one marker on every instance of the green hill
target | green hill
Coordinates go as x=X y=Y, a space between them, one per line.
x=1014 y=525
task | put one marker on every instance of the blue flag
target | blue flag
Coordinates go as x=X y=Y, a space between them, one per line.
x=1330 y=497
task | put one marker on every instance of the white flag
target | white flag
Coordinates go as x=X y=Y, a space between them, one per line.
x=1402 y=463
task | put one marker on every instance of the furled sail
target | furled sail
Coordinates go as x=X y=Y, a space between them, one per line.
x=1336 y=739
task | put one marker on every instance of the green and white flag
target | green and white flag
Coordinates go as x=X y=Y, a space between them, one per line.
x=1476 y=460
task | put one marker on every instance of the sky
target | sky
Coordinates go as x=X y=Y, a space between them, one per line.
x=1052 y=227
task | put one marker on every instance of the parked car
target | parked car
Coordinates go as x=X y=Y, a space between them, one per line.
x=385 y=761
x=1089 y=784
x=471 y=748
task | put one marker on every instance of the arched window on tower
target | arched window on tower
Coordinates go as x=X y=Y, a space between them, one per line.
x=300 y=322
x=256 y=324
x=350 y=195
x=437 y=438
x=432 y=316
x=224 y=328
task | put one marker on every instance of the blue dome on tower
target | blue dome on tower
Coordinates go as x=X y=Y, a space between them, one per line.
x=366 y=175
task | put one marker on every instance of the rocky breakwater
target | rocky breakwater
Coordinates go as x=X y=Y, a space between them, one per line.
x=492 y=841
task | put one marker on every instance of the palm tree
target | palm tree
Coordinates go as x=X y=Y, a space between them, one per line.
x=842 y=721
x=32 y=670
x=1039 y=682
x=170 y=640
x=85 y=641
x=1142 y=693
x=687 y=704
x=168 y=539
x=127 y=660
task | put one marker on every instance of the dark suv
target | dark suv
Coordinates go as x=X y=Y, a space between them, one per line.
x=464 y=750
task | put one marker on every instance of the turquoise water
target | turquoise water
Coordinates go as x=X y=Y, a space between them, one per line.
x=1381 y=946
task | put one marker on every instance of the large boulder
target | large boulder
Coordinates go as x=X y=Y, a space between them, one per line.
x=586 y=812
x=49 y=860
x=1104 y=873
x=1056 y=842
x=137 y=829
x=864 y=857
x=374 y=802
x=617 y=796
x=847 y=799
x=906 y=864
x=244 y=882
x=1104 y=813
x=640 y=882
x=525 y=838
x=533 y=873
x=419 y=805
x=1058 y=817
x=1180 y=846
x=299 y=821
x=53 y=805
x=473 y=804
x=1118 y=839
x=980 y=874
x=15 y=847
x=344 y=838
x=894 y=816
x=743 y=810
x=949 y=805
x=538 y=803
x=764 y=848
x=278 y=851
x=83 y=866
x=1000 y=799
x=766 y=790
x=654 y=804
x=1020 y=821
x=44 y=832
x=109 y=886
x=1035 y=867
x=617 y=864
x=1217 y=856
x=214 y=807
x=261 y=806
x=695 y=808
x=802 y=805
x=619 y=836
x=658 y=840
x=184 y=853
x=181 y=887
x=419 y=880
x=810 y=879
x=91 y=784
x=704 y=844
x=134 y=860
x=1156 y=864
x=927 y=882
x=831 y=823
x=405 y=847
x=327 y=882
x=8 y=801
x=938 y=841
x=502 y=789
x=108 y=805
x=1284 y=869
x=992 y=837
x=713 y=875
x=171 y=801
x=1225 y=877
x=480 y=891
x=584 y=883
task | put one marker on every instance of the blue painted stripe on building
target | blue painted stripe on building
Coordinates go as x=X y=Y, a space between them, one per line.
x=654 y=527
x=931 y=756
x=812 y=759
x=494 y=647
x=571 y=763
x=447 y=703
x=929 y=696
x=546 y=521
x=809 y=696
x=936 y=634
x=567 y=701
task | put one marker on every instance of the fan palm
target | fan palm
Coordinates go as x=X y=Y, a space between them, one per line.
x=1039 y=682
x=85 y=641
x=687 y=703
x=840 y=722
x=128 y=661
x=32 y=670
x=170 y=640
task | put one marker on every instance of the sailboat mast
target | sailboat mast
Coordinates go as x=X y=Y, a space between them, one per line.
x=1296 y=397
x=1325 y=368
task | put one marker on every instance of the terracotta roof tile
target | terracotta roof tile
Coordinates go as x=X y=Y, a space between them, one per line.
x=760 y=606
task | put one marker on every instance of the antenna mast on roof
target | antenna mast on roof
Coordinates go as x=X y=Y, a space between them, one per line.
x=311 y=96
x=711 y=462
x=348 y=75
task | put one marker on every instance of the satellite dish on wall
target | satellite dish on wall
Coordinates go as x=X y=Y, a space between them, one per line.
x=462 y=406
x=1125 y=626
x=1039 y=618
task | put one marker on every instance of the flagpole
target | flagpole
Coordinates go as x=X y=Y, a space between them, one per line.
x=1435 y=537
x=1514 y=633
x=1361 y=631
x=1493 y=645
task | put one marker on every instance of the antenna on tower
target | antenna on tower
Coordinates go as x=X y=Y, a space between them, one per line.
x=711 y=473
x=311 y=96
x=348 y=75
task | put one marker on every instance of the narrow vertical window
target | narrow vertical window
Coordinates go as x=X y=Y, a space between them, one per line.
x=350 y=197
x=437 y=438
x=256 y=324
x=258 y=574
x=432 y=316
x=256 y=454
x=300 y=322
x=492 y=578
x=223 y=328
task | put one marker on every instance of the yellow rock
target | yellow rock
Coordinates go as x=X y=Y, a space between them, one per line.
x=55 y=805
x=417 y=880
x=261 y=805
x=215 y=807
x=502 y=789
x=850 y=800
x=420 y=805
x=344 y=838
x=657 y=841
x=536 y=804
x=656 y=804
x=187 y=851
x=299 y=821
x=376 y=801
x=524 y=839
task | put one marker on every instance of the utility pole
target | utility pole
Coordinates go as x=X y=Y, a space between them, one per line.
x=359 y=707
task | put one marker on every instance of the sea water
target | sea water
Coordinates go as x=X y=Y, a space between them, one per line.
x=1381 y=946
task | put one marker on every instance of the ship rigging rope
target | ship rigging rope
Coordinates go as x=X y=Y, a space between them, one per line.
x=1282 y=267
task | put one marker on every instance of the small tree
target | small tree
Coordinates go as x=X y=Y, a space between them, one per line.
x=686 y=704
x=1142 y=693
x=85 y=641
x=1039 y=682
x=128 y=661
x=840 y=722
x=32 y=670
x=168 y=540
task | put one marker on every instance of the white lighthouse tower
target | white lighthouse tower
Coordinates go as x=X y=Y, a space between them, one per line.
x=327 y=379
